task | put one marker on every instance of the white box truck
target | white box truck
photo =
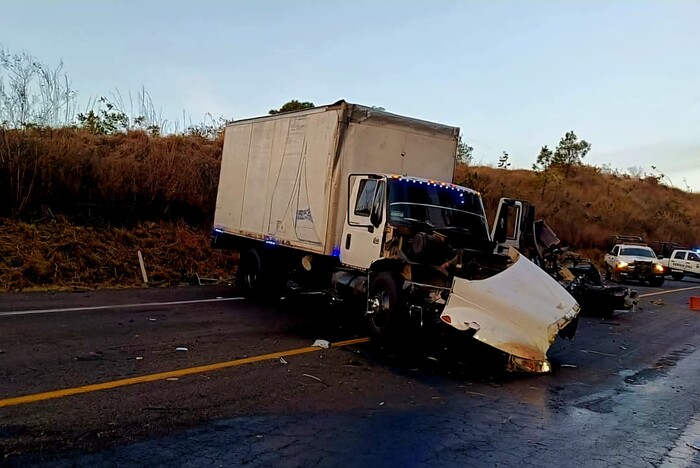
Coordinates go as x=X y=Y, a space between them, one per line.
x=359 y=203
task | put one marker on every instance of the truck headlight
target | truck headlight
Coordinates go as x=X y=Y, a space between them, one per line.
x=621 y=264
x=659 y=268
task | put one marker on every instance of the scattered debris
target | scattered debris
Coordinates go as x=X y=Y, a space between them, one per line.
x=673 y=428
x=569 y=365
x=694 y=445
x=381 y=403
x=219 y=297
x=321 y=344
x=182 y=348
x=172 y=379
x=259 y=436
x=283 y=360
x=433 y=359
x=139 y=358
x=658 y=302
x=623 y=348
x=315 y=378
x=152 y=319
x=92 y=356
x=476 y=393
x=597 y=352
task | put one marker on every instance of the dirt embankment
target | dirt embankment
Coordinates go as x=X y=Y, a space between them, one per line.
x=77 y=207
x=59 y=254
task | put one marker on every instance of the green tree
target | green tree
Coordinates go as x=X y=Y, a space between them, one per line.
x=543 y=167
x=292 y=105
x=465 y=153
x=570 y=152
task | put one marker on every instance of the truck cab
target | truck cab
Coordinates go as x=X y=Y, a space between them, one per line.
x=424 y=246
x=682 y=262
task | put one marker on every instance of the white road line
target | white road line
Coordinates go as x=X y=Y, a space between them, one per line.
x=117 y=306
x=668 y=292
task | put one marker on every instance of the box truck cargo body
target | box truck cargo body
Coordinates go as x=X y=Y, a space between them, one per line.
x=282 y=175
x=359 y=204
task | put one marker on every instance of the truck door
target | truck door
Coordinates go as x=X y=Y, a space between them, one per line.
x=509 y=226
x=678 y=261
x=694 y=261
x=363 y=231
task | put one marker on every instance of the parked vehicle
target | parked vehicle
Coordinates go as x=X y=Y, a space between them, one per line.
x=575 y=273
x=358 y=203
x=631 y=259
x=682 y=262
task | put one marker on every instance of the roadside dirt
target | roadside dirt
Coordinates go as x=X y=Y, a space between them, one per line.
x=57 y=254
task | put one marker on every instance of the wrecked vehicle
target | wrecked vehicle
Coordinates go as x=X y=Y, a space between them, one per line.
x=575 y=273
x=355 y=202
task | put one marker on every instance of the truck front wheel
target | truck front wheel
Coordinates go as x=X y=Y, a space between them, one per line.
x=677 y=276
x=384 y=307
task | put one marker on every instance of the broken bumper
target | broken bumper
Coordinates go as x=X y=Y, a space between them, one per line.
x=519 y=311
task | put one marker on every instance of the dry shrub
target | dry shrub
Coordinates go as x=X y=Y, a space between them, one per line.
x=58 y=253
x=122 y=178
x=588 y=207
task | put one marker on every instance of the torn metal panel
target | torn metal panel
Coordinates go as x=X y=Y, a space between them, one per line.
x=519 y=311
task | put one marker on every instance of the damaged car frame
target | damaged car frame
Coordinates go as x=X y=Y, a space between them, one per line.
x=515 y=220
x=323 y=200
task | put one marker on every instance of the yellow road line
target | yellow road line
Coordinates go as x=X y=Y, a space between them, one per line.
x=668 y=292
x=167 y=375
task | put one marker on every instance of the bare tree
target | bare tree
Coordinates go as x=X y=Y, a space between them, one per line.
x=33 y=93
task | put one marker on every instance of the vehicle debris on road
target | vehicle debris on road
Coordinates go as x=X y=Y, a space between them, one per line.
x=283 y=361
x=181 y=348
x=321 y=344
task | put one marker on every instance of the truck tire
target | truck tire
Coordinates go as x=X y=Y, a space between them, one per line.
x=677 y=276
x=608 y=273
x=384 y=293
x=257 y=276
x=249 y=275
x=656 y=282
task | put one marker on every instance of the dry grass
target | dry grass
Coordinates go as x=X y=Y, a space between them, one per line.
x=56 y=253
x=77 y=206
x=589 y=207
x=123 y=178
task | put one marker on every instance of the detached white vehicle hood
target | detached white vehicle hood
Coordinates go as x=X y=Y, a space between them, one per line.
x=518 y=311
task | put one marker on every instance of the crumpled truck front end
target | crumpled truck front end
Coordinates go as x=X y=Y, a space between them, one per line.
x=519 y=311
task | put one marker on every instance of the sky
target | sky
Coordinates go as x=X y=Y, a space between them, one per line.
x=513 y=75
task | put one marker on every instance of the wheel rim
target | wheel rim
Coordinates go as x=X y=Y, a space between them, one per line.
x=250 y=273
x=380 y=308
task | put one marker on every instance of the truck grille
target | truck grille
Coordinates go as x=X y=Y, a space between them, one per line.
x=642 y=267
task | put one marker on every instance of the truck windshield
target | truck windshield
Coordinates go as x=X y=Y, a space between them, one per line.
x=637 y=252
x=435 y=207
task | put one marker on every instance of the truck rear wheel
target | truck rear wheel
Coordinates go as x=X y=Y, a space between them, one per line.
x=257 y=277
x=249 y=276
x=384 y=306
x=677 y=276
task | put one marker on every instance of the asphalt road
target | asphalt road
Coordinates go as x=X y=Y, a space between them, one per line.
x=624 y=392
